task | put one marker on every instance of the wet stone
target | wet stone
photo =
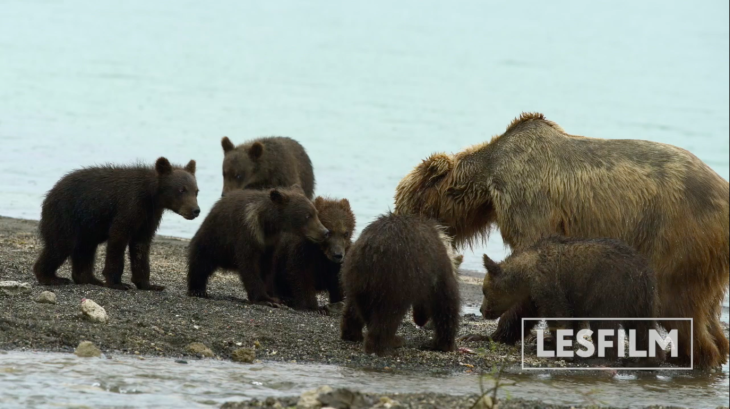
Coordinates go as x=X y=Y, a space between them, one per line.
x=244 y=355
x=46 y=297
x=198 y=348
x=87 y=349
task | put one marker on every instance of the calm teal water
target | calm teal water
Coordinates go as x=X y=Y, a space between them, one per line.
x=369 y=89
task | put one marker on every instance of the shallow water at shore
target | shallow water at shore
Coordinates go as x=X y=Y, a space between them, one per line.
x=64 y=380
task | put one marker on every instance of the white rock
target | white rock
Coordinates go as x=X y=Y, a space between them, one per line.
x=46 y=297
x=93 y=311
x=308 y=399
x=14 y=287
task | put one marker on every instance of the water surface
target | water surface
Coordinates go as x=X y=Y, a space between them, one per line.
x=52 y=380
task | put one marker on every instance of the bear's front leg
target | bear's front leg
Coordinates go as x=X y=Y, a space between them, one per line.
x=352 y=324
x=139 y=259
x=255 y=287
x=509 y=327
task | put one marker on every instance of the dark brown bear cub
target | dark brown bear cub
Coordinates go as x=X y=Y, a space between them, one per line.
x=266 y=163
x=399 y=261
x=303 y=268
x=121 y=205
x=241 y=229
x=568 y=277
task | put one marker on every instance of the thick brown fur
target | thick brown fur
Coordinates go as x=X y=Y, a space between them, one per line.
x=575 y=278
x=399 y=261
x=303 y=268
x=265 y=163
x=240 y=232
x=536 y=180
x=120 y=205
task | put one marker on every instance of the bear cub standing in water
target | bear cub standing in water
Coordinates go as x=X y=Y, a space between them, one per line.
x=121 y=205
x=240 y=232
x=399 y=261
x=303 y=268
x=568 y=277
x=264 y=163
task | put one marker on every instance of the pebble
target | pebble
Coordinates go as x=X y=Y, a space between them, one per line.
x=46 y=297
x=87 y=349
x=198 y=348
x=93 y=311
x=14 y=287
x=244 y=355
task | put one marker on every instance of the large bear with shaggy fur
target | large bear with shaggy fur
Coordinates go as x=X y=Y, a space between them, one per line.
x=536 y=180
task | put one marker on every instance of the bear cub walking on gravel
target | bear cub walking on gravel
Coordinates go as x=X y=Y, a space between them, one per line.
x=569 y=277
x=240 y=232
x=264 y=163
x=399 y=262
x=303 y=268
x=121 y=205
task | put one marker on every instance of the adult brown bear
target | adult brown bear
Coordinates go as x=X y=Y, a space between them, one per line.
x=536 y=180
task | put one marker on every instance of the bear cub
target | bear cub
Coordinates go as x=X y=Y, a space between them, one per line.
x=303 y=268
x=240 y=232
x=568 y=277
x=120 y=205
x=399 y=262
x=265 y=163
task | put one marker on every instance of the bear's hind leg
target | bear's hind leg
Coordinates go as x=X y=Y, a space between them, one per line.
x=200 y=269
x=382 y=326
x=445 y=308
x=82 y=265
x=48 y=263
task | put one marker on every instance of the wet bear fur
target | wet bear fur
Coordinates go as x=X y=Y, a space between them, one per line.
x=303 y=268
x=537 y=180
x=119 y=205
x=399 y=262
x=240 y=233
x=264 y=163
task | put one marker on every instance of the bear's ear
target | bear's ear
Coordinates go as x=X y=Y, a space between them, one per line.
x=491 y=267
x=437 y=166
x=277 y=197
x=227 y=145
x=345 y=203
x=256 y=150
x=190 y=167
x=163 y=167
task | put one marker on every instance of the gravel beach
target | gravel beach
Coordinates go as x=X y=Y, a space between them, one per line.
x=166 y=323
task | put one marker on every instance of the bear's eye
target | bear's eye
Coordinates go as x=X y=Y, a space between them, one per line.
x=347 y=234
x=239 y=176
x=182 y=189
x=308 y=216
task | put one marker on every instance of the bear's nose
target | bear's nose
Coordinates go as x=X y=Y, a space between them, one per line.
x=338 y=257
x=196 y=212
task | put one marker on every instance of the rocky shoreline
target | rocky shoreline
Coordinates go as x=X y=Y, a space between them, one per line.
x=171 y=324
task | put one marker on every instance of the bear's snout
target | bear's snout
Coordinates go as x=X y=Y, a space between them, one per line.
x=338 y=257
x=196 y=212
